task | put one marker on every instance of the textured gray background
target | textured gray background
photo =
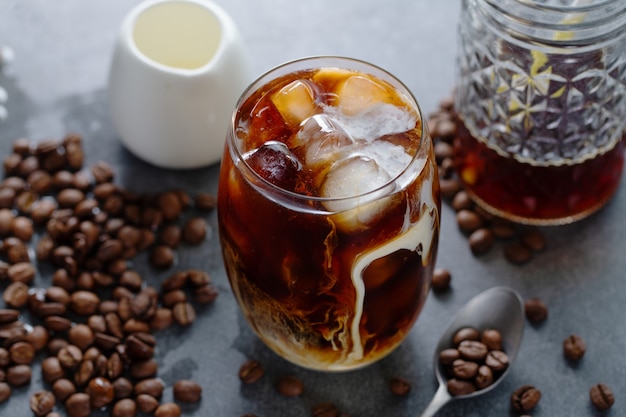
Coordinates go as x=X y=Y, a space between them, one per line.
x=57 y=84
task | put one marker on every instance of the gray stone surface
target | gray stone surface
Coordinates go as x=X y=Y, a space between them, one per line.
x=57 y=84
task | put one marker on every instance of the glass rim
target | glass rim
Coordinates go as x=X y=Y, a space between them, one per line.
x=264 y=78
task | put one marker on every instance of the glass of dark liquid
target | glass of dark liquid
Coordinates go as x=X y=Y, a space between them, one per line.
x=541 y=94
x=328 y=210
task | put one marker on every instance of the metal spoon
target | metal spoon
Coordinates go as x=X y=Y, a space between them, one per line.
x=498 y=308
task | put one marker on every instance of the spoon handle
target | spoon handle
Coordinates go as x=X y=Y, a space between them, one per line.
x=441 y=398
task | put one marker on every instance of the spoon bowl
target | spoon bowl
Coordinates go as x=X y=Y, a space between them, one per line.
x=500 y=308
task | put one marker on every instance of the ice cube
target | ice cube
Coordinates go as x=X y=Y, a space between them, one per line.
x=295 y=102
x=275 y=163
x=265 y=124
x=362 y=179
x=359 y=94
x=392 y=158
x=322 y=139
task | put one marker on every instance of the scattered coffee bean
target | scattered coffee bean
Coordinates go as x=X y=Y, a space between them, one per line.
x=187 y=391
x=574 y=347
x=536 y=310
x=290 y=386
x=484 y=377
x=458 y=387
x=534 y=240
x=151 y=386
x=147 y=403
x=465 y=333
x=480 y=241
x=462 y=369
x=5 y=392
x=525 y=398
x=497 y=360
x=184 y=313
x=517 y=253
x=462 y=201
x=399 y=386
x=324 y=410
x=251 y=371
x=441 y=279
x=167 y=410
x=78 y=405
x=125 y=407
x=468 y=221
x=162 y=257
x=601 y=397
x=205 y=201
x=63 y=388
x=18 y=375
x=492 y=338
x=448 y=356
x=42 y=402
x=195 y=231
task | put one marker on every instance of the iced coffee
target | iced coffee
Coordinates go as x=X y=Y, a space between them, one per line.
x=328 y=209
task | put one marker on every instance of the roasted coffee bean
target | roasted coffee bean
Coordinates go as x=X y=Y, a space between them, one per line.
x=574 y=347
x=69 y=197
x=170 y=205
x=472 y=350
x=195 y=231
x=525 y=398
x=16 y=294
x=70 y=356
x=22 y=353
x=126 y=407
x=140 y=346
x=5 y=392
x=533 y=239
x=492 y=338
x=5 y=357
x=449 y=187
x=399 y=386
x=114 y=366
x=251 y=371
x=109 y=250
x=162 y=319
x=167 y=410
x=84 y=372
x=41 y=210
x=183 y=313
x=131 y=280
x=503 y=229
x=78 y=405
x=100 y=391
x=135 y=326
x=57 y=323
x=63 y=388
x=162 y=257
x=205 y=201
x=324 y=410
x=448 y=356
x=171 y=298
x=47 y=309
x=198 y=278
x=102 y=172
x=144 y=369
x=123 y=388
x=55 y=345
x=84 y=303
x=497 y=360
x=23 y=228
x=517 y=253
x=146 y=403
x=462 y=369
x=205 y=294
x=151 y=386
x=57 y=295
x=536 y=310
x=81 y=336
x=480 y=241
x=459 y=387
x=465 y=333
x=170 y=235
x=290 y=386
x=484 y=377
x=187 y=391
x=51 y=369
x=441 y=279
x=114 y=324
x=468 y=221
x=601 y=397
x=18 y=375
x=42 y=402
x=22 y=272
x=175 y=281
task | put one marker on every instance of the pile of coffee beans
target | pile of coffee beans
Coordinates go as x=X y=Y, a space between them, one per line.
x=482 y=228
x=93 y=317
x=475 y=361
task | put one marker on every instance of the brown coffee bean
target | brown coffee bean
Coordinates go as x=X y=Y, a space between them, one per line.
x=484 y=377
x=5 y=357
x=503 y=229
x=23 y=228
x=22 y=353
x=183 y=313
x=167 y=410
x=449 y=187
x=51 y=369
x=84 y=303
x=399 y=386
x=151 y=386
x=78 y=405
x=100 y=391
x=42 y=402
x=198 y=278
x=472 y=350
x=187 y=391
x=22 y=272
x=170 y=205
x=57 y=323
x=448 y=356
x=458 y=387
x=536 y=310
x=102 y=172
x=205 y=201
x=81 y=335
x=140 y=346
x=525 y=398
x=69 y=197
x=195 y=230
x=601 y=397
x=171 y=298
x=38 y=337
x=123 y=388
x=441 y=279
x=124 y=408
x=135 y=326
x=516 y=253
x=55 y=345
x=491 y=338
x=162 y=319
x=147 y=403
x=63 y=388
x=290 y=386
x=109 y=250
x=324 y=410
x=16 y=294
x=497 y=360
x=114 y=324
x=533 y=239
x=162 y=257
x=468 y=221
x=144 y=369
x=462 y=369
x=175 y=281
x=5 y=392
x=574 y=347
x=205 y=294
x=251 y=371
x=70 y=356
x=465 y=333
x=18 y=375
x=480 y=241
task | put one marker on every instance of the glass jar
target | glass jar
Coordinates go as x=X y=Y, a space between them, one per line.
x=541 y=100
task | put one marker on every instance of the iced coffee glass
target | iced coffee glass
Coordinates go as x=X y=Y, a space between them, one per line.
x=328 y=210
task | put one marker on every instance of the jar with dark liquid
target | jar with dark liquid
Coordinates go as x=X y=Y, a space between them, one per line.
x=541 y=97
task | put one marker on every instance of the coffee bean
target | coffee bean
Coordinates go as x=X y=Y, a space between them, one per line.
x=497 y=360
x=574 y=347
x=448 y=356
x=5 y=357
x=503 y=229
x=81 y=336
x=84 y=303
x=462 y=201
x=18 y=375
x=491 y=338
x=146 y=403
x=171 y=298
x=150 y=386
x=162 y=257
x=517 y=253
x=290 y=386
x=601 y=397
x=5 y=392
x=78 y=405
x=162 y=319
x=63 y=388
x=22 y=353
x=144 y=369
x=533 y=239
x=472 y=350
x=175 y=282
x=399 y=386
x=123 y=388
x=51 y=369
x=468 y=221
x=57 y=323
x=22 y=272
x=205 y=201
x=525 y=398
x=38 y=337
x=536 y=310
x=484 y=377
x=170 y=205
x=100 y=391
x=69 y=197
x=251 y=371
x=449 y=187
x=102 y=172
x=140 y=346
x=205 y=294
x=16 y=294
x=465 y=333
x=42 y=402
x=126 y=407
x=183 y=313
x=459 y=387
x=194 y=231
x=167 y=410
x=441 y=279
x=187 y=391
x=324 y=410
x=462 y=369
x=70 y=356
x=480 y=241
